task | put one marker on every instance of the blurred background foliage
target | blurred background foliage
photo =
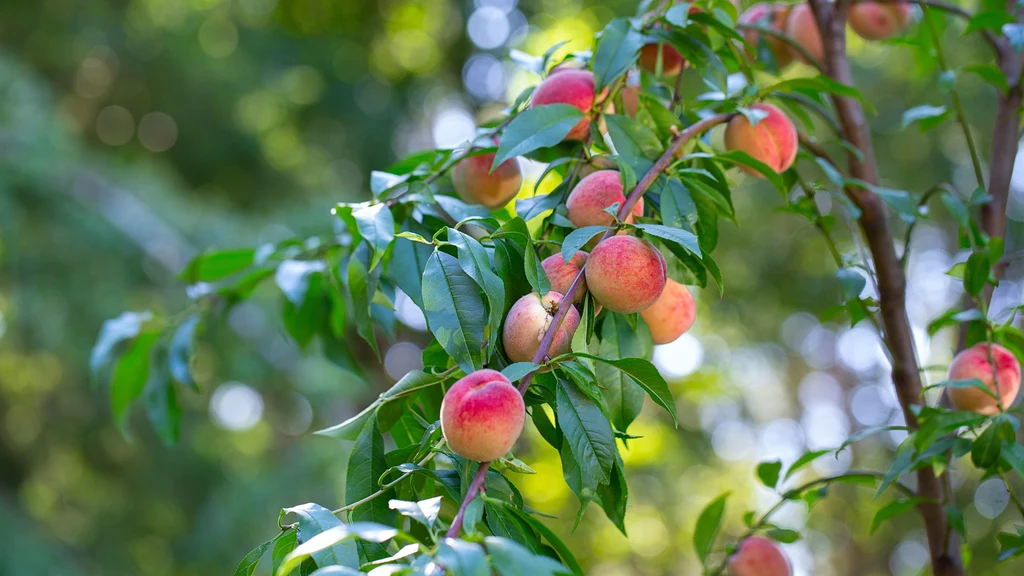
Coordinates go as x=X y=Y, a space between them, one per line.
x=135 y=133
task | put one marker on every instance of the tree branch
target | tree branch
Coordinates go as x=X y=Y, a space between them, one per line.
x=874 y=223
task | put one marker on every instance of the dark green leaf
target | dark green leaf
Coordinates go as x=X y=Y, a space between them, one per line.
x=474 y=261
x=213 y=266
x=362 y=286
x=894 y=509
x=579 y=238
x=463 y=558
x=743 y=159
x=768 y=473
x=986 y=449
x=535 y=271
x=976 y=273
x=851 y=283
x=130 y=375
x=616 y=52
x=377 y=227
x=248 y=564
x=180 y=351
x=313 y=520
x=424 y=511
x=517 y=371
x=408 y=261
x=530 y=208
x=455 y=310
x=534 y=128
x=512 y=559
x=323 y=547
x=647 y=376
x=688 y=240
x=633 y=140
x=783 y=535
x=563 y=551
x=292 y=277
x=366 y=465
x=587 y=432
x=623 y=397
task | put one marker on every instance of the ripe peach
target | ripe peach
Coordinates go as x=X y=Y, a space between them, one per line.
x=974 y=363
x=568 y=86
x=759 y=557
x=801 y=27
x=482 y=416
x=594 y=193
x=476 y=184
x=672 y=315
x=626 y=274
x=878 y=21
x=672 y=62
x=773 y=140
x=527 y=322
x=562 y=273
x=768 y=16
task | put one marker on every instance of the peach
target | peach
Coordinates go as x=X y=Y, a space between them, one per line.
x=527 y=322
x=592 y=194
x=974 y=363
x=626 y=274
x=802 y=28
x=672 y=62
x=562 y=273
x=672 y=314
x=878 y=21
x=768 y=16
x=482 y=416
x=773 y=140
x=568 y=86
x=759 y=557
x=476 y=184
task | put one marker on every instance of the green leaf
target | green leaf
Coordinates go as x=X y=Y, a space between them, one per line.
x=162 y=407
x=519 y=370
x=963 y=384
x=425 y=511
x=633 y=140
x=474 y=513
x=512 y=559
x=616 y=52
x=647 y=376
x=408 y=261
x=990 y=73
x=455 y=310
x=953 y=318
x=976 y=273
x=535 y=274
x=802 y=461
x=351 y=428
x=678 y=14
x=463 y=558
x=987 y=447
x=314 y=519
x=988 y=20
x=130 y=375
x=866 y=432
x=213 y=266
x=366 y=465
x=563 y=551
x=768 y=473
x=284 y=543
x=361 y=286
x=530 y=208
x=851 y=283
x=708 y=524
x=126 y=326
x=248 y=564
x=683 y=238
x=956 y=519
x=929 y=117
x=743 y=159
x=377 y=227
x=181 y=350
x=578 y=238
x=535 y=128
x=623 y=397
x=323 y=547
x=474 y=261
x=292 y=277
x=894 y=509
x=587 y=432
x=1012 y=455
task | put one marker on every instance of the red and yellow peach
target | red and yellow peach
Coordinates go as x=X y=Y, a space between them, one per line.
x=482 y=416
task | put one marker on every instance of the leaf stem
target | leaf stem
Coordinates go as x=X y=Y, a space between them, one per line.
x=385 y=487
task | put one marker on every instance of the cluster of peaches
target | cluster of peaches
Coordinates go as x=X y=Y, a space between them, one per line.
x=483 y=414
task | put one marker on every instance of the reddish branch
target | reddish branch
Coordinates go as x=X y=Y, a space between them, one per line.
x=873 y=221
x=541 y=356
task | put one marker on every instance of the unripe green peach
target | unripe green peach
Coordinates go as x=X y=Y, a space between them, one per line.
x=773 y=140
x=568 y=86
x=801 y=27
x=974 y=363
x=759 y=557
x=527 y=322
x=561 y=273
x=482 y=416
x=771 y=16
x=672 y=314
x=476 y=184
x=594 y=193
x=879 y=21
x=626 y=274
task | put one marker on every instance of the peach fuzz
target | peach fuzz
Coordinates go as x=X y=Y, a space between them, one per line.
x=482 y=416
x=626 y=274
x=561 y=273
x=527 y=322
x=773 y=140
x=592 y=194
x=768 y=16
x=802 y=27
x=879 y=21
x=568 y=86
x=672 y=315
x=759 y=557
x=476 y=184
x=974 y=363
